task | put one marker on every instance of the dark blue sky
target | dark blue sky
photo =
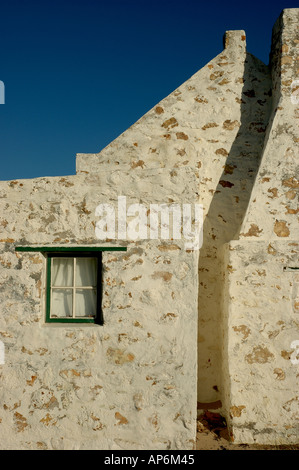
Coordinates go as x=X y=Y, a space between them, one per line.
x=78 y=73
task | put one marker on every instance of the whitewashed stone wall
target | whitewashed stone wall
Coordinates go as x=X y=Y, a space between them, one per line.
x=214 y=123
x=260 y=300
x=224 y=140
x=130 y=384
x=261 y=318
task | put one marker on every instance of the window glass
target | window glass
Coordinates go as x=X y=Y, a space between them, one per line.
x=62 y=272
x=73 y=288
x=62 y=303
x=85 y=302
x=86 y=272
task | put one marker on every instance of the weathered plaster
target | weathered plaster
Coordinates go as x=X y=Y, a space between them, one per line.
x=260 y=299
x=260 y=314
x=226 y=138
x=128 y=384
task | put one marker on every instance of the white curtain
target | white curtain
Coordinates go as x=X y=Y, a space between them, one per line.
x=62 y=272
x=86 y=302
x=86 y=272
x=62 y=303
x=63 y=277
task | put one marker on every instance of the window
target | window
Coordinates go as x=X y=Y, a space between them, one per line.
x=73 y=282
x=73 y=292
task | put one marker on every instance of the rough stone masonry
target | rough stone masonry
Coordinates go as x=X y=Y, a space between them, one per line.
x=210 y=328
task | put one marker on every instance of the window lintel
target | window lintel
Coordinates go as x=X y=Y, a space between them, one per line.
x=73 y=249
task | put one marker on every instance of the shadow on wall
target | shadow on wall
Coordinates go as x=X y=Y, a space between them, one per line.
x=224 y=219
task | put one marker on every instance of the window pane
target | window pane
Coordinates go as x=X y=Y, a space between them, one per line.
x=62 y=272
x=86 y=303
x=62 y=303
x=86 y=271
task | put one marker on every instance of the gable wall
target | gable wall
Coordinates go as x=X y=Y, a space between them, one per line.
x=260 y=301
x=132 y=383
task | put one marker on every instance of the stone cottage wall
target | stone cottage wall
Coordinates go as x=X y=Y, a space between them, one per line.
x=215 y=123
x=260 y=360
x=224 y=140
x=129 y=384
x=260 y=300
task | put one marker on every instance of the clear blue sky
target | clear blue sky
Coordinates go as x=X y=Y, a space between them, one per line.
x=78 y=73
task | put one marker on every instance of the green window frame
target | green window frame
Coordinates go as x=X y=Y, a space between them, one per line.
x=76 y=317
x=73 y=254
